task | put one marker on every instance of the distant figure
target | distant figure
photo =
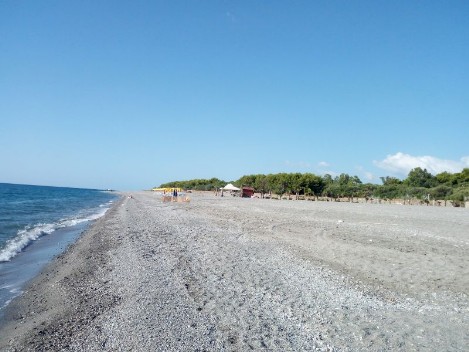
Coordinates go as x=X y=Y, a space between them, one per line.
x=175 y=193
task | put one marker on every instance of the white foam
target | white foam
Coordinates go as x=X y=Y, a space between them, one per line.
x=23 y=238
x=30 y=234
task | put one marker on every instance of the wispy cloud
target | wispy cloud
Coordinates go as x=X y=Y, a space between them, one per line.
x=329 y=172
x=231 y=16
x=298 y=164
x=368 y=176
x=324 y=169
x=401 y=163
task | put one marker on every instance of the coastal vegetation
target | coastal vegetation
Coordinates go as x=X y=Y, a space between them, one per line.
x=419 y=184
x=196 y=184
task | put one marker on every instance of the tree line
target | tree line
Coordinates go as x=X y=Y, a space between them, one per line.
x=419 y=184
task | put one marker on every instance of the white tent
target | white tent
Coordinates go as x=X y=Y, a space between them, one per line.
x=230 y=187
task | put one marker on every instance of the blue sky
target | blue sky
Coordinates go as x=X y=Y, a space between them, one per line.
x=131 y=94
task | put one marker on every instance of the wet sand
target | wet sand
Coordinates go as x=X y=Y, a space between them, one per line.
x=251 y=274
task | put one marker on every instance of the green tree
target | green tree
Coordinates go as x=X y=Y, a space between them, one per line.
x=312 y=184
x=367 y=190
x=391 y=191
x=332 y=190
x=327 y=179
x=444 y=178
x=294 y=183
x=420 y=178
x=277 y=183
x=462 y=178
x=247 y=180
x=441 y=192
x=389 y=180
x=261 y=184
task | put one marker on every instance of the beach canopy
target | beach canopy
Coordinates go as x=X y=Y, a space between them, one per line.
x=167 y=189
x=230 y=187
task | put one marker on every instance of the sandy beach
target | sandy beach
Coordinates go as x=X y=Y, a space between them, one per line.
x=232 y=274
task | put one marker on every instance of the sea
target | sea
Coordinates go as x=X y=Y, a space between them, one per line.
x=36 y=224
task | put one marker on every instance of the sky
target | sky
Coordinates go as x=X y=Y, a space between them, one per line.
x=131 y=94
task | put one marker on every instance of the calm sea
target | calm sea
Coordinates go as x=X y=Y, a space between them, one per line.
x=36 y=224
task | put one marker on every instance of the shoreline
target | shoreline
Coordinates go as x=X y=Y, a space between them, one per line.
x=235 y=274
x=26 y=265
x=43 y=299
x=40 y=223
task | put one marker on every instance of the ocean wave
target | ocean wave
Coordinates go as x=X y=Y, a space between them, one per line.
x=30 y=234
x=106 y=205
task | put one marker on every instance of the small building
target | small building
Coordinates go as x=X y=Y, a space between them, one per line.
x=247 y=192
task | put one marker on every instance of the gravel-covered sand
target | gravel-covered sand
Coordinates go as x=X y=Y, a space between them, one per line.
x=251 y=274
